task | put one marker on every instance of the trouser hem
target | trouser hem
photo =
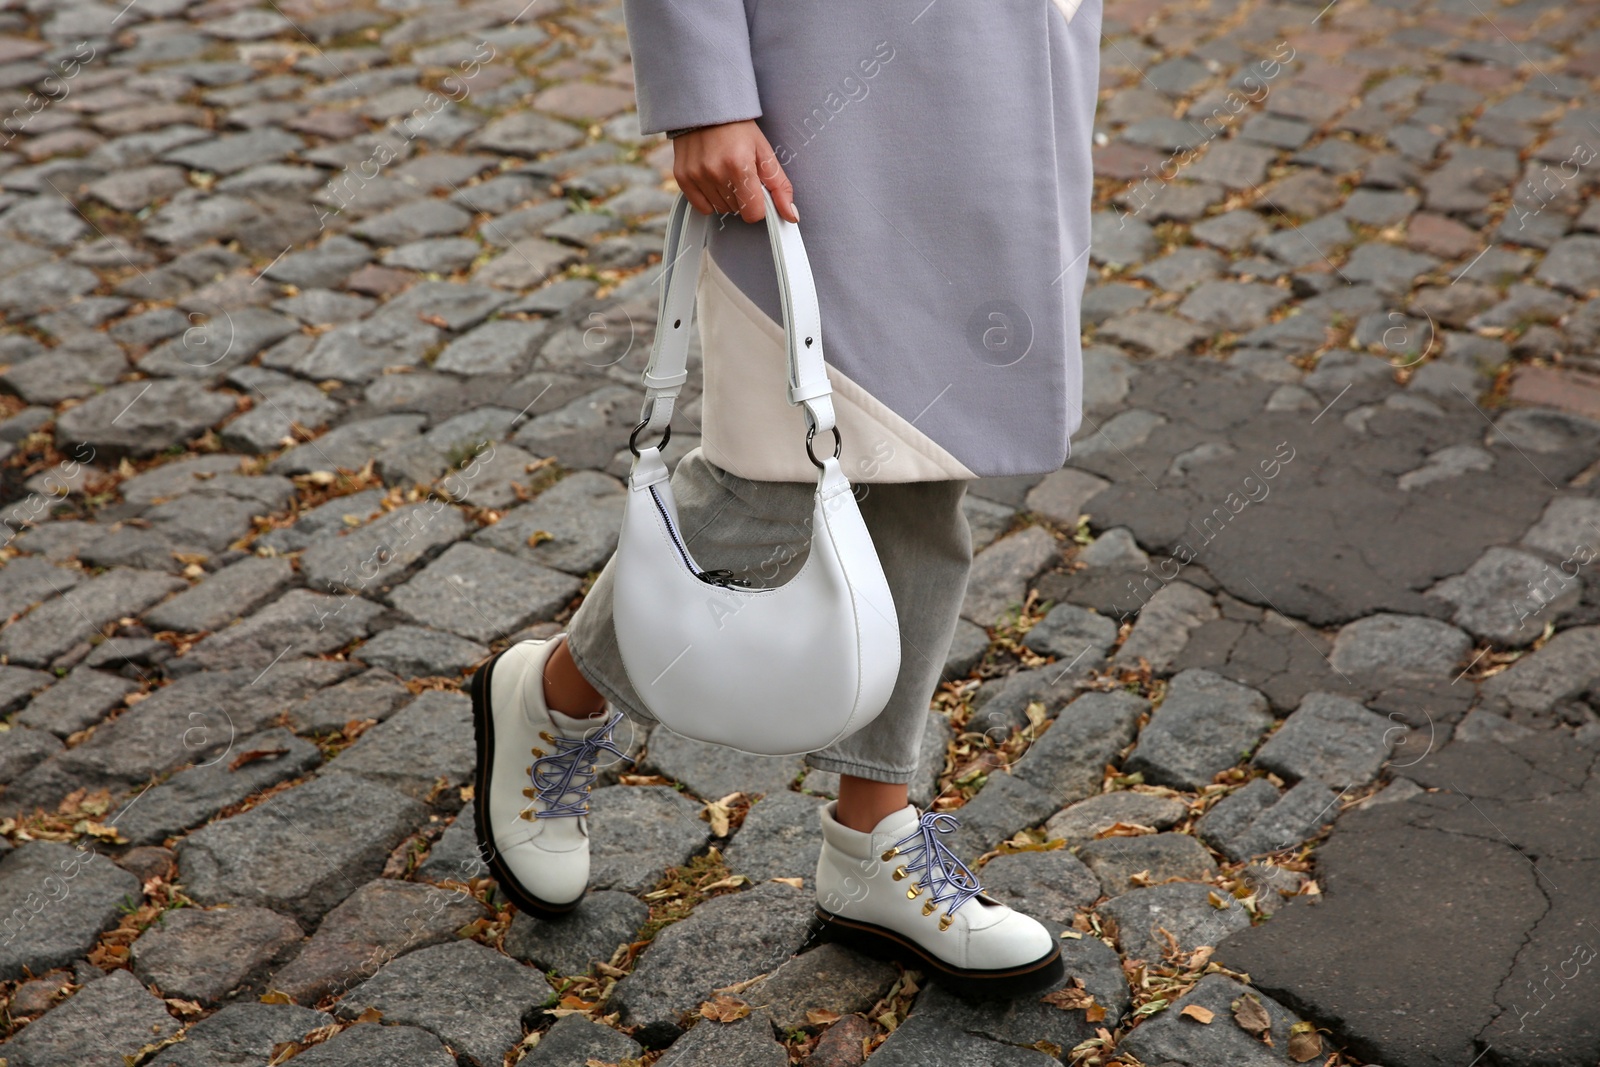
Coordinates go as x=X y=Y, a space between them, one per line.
x=856 y=769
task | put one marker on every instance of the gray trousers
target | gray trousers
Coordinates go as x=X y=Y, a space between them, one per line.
x=760 y=531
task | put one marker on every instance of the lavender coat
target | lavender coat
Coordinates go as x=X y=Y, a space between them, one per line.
x=940 y=155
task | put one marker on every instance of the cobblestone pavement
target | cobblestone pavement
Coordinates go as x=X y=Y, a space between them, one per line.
x=324 y=320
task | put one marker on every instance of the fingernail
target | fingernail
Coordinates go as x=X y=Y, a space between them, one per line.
x=794 y=209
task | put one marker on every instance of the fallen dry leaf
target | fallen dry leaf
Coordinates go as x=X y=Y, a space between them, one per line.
x=821 y=1017
x=1125 y=829
x=1305 y=1043
x=725 y=1009
x=798 y=883
x=253 y=755
x=1218 y=901
x=1073 y=997
x=1203 y=1016
x=1253 y=1018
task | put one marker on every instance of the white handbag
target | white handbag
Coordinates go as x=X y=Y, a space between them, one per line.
x=776 y=671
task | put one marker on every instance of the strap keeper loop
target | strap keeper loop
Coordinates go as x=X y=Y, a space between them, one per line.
x=799 y=394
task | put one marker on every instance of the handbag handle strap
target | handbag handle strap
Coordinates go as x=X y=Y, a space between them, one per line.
x=664 y=376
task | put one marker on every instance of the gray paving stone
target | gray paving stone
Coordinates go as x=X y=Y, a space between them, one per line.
x=242 y=1035
x=324 y=266
x=59 y=900
x=1205 y=725
x=578 y=1039
x=1230 y=819
x=781 y=838
x=1331 y=739
x=412 y=222
x=1234 y=306
x=1002 y=572
x=351 y=445
x=337 y=514
x=411 y=751
x=1172 y=1037
x=1233 y=231
x=1050 y=886
x=191 y=796
x=380 y=1043
x=284 y=414
x=1069 y=632
x=382 y=920
x=141 y=418
x=724 y=940
x=55 y=626
x=104 y=1022
x=322 y=307
x=585 y=432
x=1001 y=704
x=464 y=993
x=713 y=771
x=302 y=851
x=205 y=955
x=230 y=593
x=637 y=832
x=306 y=622
x=414 y=652
x=603 y=922
x=75 y=703
x=1297 y=815
x=1164 y=624
x=1005 y=805
x=18 y=684
x=1571 y=265
x=1508 y=595
x=526 y=133
x=459 y=306
x=1026 y=1021
x=378 y=555
x=1067 y=761
x=581 y=513
x=829 y=977
x=441 y=255
x=928 y=1040
x=455 y=856
x=504 y=346
x=1079 y=823
x=1120 y=240
x=483 y=594
x=1182 y=909
x=1399 y=645
x=1163 y=857
x=986 y=519
x=1183 y=269
x=361 y=351
x=27 y=580
x=745 y=1041
x=372 y=694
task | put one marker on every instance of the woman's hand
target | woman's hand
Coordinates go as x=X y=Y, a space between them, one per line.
x=722 y=168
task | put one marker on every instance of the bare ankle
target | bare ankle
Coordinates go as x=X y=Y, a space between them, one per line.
x=567 y=690
x=863 y=803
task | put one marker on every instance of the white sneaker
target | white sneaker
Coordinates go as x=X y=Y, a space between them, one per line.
x=535 y=769
x=899 y=892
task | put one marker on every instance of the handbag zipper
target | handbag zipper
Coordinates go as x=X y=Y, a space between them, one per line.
x=723 y=578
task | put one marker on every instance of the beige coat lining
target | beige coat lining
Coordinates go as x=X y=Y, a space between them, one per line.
x=750 y=428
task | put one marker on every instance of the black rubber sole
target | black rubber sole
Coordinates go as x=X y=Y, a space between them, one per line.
x=1040 y=976
x=483 y=732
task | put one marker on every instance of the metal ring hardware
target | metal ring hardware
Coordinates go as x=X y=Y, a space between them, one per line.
x=838 y=445
x=633 y=438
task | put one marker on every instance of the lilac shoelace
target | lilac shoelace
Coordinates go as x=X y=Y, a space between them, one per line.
x=948 y=878
x=570 y=770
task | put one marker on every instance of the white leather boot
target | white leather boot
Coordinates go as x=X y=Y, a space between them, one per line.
x=898 y=892
x=535 y=769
